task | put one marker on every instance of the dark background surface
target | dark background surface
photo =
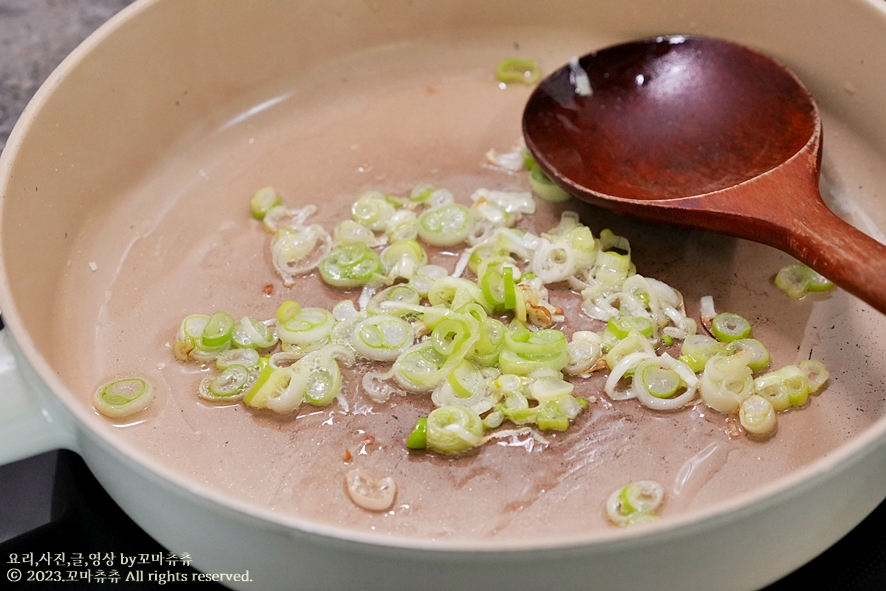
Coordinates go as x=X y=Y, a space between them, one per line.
x=52 y=504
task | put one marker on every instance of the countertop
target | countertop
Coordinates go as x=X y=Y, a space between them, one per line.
x=51 y=503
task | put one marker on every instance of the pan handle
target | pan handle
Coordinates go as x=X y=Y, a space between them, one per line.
x=30 y=421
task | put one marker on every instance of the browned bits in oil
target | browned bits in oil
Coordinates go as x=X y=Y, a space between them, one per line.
x=268 y=289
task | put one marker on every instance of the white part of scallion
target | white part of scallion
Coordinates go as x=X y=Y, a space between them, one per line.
x=369 y=492
x=757 y=416
x=726 y=381
x=626 y=364
x=296 y=251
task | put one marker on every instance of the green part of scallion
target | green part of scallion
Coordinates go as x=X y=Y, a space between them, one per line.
x=515 y=70
x=621 y=326
x=263 y=201
x=454 y=429
x=445 y=225
x=350 y=265
x=230 y=382
x=418 y=439
x=661 y=382
x=545 y=188
x=728 y=326
x=218 y=330
x=797 y=279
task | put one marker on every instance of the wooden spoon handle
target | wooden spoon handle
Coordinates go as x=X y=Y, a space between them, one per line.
x=839 y=251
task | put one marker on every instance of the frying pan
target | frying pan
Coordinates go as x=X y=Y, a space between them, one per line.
x=124 y=186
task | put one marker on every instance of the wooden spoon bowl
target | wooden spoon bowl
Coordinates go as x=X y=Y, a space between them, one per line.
x=706 y=133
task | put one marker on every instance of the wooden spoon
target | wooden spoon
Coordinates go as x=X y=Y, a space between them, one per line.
x=705 y=133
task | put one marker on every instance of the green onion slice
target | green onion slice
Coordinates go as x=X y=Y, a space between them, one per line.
x=545 y=188
x=309 y=326
x=445 y=225
x=661 y=382
x=123 y=397
x=218 y=330
x=228 y=386
x=253 y=334
x=757 y=416
x=621 y=326
x=783 y=387
x=350 y=265
x=759 y=354
x=262 y=202
x=635 y=503
x=796 y=280
x=242 y=357
x=418 y=439
x=382 y=337
x=727 y=327
x=454 y=429
x=816 y=373
x=515 y=70
x=373 y=210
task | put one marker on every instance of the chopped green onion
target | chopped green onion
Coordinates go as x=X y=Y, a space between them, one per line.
x=262 y=202
x=368 y=492
x=489 y=344
x=818 y=282
x=635 y=503
x=545 y=188
x=253 y=334
x=453 y=429
x=382 y=337
x=350 y=265
x=445 y=225
x=243 y=357
x=493 y=285
x=757 y=416
x=373 y=210
x=759 y=354
x=396 y=300
x=697 y=349
x=123 y=397
x=298 y=250
x=270 y=382
x=515 y=70
x=449 y=335
x=816 y=373
x=796 y=280
x=323 y=381
x=621 y=326
x=218 y=330
x=661 y=382
x=728 y=327
x=465 y=379
x=403 y=258
x=783 y=387
x=418 y=439
x=525 y=351
x=726 y=382
x=634 y=342
x=307 y=327
x=229 y=385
